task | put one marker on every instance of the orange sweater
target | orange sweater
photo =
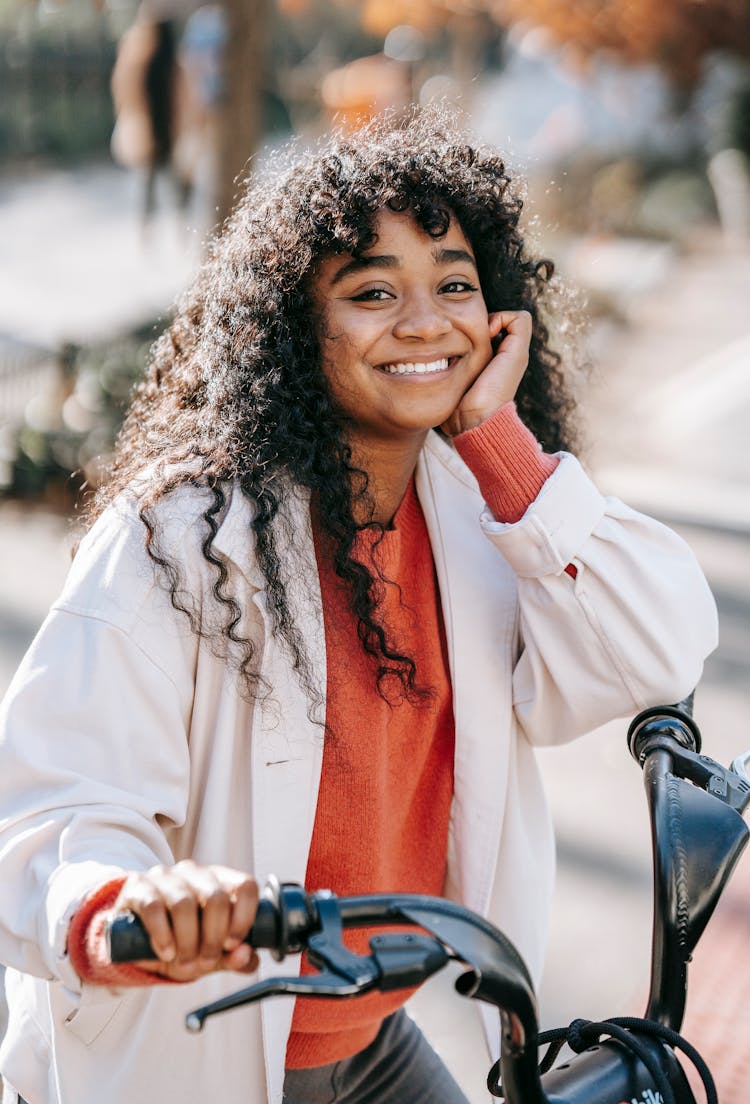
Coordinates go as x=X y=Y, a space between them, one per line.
x=381 y=824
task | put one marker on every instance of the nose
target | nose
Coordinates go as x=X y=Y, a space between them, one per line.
x=421 y=317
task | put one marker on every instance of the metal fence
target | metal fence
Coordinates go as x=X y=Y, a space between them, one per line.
x=55 y=101
x=60 y=410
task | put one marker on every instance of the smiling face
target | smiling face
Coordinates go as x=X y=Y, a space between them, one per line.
x=405 y=330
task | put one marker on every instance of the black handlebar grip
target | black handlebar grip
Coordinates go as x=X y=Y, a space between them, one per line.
x=265 y=930
x=129 y=942
x=128 y=939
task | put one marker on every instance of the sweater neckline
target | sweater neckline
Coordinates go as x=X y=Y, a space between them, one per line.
x=407 y=518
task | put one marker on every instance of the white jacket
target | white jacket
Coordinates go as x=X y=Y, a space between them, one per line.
x=127 y=742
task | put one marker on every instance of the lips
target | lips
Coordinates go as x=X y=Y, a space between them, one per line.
x=411 y=368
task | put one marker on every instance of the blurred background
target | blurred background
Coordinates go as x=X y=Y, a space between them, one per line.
x=123 y=131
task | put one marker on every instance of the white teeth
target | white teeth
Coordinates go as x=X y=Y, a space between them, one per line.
x=407 y=369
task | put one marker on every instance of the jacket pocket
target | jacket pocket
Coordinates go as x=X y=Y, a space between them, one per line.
x=89 y=1016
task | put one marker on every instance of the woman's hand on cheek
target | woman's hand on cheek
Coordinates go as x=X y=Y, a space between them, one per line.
x=498 y=381
x=196 y=918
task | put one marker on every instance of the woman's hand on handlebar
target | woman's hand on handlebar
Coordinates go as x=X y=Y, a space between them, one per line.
x=196 y=918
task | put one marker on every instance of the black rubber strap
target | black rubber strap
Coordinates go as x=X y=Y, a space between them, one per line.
x=582 y=1034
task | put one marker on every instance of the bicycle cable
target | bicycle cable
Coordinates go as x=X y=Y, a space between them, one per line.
x=582 y=1034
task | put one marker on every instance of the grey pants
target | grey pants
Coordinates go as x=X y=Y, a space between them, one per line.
x=398 y=1067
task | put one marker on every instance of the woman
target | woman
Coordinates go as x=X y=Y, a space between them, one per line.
x=152 y=106
x=309 y=635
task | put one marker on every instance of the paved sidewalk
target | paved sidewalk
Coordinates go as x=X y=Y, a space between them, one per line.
x=670 y=399
x=74 y=262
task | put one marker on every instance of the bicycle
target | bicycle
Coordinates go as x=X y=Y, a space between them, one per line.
x=698 y=835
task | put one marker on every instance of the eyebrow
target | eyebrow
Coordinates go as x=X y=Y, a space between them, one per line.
x=360 y=264
x=453 y=256
x=388 y=260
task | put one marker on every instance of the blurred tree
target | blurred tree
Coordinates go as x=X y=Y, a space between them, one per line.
x=247 y=27
x=302 y=50
x=677 y=35
x=380 y=16
x=466 y=25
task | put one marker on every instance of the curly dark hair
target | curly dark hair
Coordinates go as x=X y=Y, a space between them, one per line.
x=235 y=398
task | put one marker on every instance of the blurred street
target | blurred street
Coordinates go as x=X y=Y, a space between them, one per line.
x=667 y=412
x=100 y=272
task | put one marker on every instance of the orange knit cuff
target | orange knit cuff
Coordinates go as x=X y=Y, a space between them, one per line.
x=87 y=946
x=508 y=462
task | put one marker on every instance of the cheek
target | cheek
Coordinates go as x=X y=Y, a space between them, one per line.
x=483 y=351
x=337 y=354
x=338 y=357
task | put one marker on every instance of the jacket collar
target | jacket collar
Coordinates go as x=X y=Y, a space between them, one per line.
x=235 y=538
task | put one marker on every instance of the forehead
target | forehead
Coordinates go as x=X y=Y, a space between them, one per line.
x=402 y=227
x=399 y=239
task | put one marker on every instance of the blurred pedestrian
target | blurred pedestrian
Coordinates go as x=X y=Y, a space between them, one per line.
x=333 y=593
x=202 y=59
x=149 y=94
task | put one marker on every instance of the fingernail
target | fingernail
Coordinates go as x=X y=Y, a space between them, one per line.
x=243 y=955
x=167 y=955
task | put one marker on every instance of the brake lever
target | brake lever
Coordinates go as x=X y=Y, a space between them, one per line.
x=325 y=948
x=325 y=984
x=725 y=783
x=739 y=768
x=730 y=785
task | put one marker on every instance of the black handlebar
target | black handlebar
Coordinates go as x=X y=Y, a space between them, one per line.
x=698 y=835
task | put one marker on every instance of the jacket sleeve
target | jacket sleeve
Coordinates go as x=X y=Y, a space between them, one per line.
x=632 y=629
x=93 y=745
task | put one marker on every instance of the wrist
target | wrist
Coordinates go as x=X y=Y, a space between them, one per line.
x=465 y=420
x=507 y=461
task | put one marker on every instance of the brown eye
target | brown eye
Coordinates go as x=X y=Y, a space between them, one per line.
x=456 y=287
x=372 y=295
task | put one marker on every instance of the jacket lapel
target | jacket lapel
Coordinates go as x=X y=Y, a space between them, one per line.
x=478 y=598
x=287 y=745
x=287 y=741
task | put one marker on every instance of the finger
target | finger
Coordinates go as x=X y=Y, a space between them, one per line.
x=517 y=327
x=178 y=971
x=181 y=899
x=243 y=894
x=214 y=915
x=519 y=320
x=242 y=960
x=512 y=354
x=141 y=894
x=496 y=323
